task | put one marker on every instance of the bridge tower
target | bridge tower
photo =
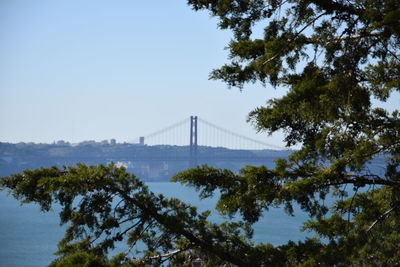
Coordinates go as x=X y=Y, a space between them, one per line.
x=193 y=142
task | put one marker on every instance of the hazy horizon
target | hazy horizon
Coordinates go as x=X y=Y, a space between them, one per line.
x=96 y=70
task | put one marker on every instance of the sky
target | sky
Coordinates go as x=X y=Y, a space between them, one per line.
x=94 y=70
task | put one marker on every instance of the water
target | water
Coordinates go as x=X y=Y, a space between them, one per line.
x=29 y=237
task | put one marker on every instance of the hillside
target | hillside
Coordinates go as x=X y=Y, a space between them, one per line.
x=149 y=163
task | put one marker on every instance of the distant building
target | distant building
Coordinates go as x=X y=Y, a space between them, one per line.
x=88 y=142
x=62 y=143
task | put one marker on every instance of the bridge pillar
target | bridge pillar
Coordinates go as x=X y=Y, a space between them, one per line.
x=193 y=142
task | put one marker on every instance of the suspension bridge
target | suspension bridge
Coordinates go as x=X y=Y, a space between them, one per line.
x=196 y=133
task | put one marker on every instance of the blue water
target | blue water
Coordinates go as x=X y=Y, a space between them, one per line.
x=29 y=237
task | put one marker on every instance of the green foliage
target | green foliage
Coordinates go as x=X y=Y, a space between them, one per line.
x=335 y=58
x=80 y=259
x=103 y=205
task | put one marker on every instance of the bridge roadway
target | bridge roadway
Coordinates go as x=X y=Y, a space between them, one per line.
x=181 y=158
x=172 y=158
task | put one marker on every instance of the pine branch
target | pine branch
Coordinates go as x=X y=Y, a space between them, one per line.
x=178 y=228
x=381 y=218
x=167 y=255
x=333 y=6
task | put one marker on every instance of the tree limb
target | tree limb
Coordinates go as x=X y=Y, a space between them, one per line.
x=381 y=217
x=174 y=226
x=169 y=254
x=331 y=6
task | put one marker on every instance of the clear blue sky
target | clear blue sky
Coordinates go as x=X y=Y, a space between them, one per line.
x=83 y=70
x=92 y=70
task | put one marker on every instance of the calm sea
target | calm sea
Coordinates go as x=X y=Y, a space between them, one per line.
x=28 y=237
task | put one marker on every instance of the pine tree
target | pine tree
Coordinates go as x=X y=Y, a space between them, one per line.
x=339 y=62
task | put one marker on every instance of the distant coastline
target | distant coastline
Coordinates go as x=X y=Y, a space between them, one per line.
x=149 y=163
